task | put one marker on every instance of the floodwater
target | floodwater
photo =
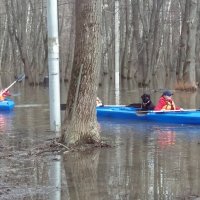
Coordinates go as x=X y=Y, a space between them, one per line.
x=147 y=161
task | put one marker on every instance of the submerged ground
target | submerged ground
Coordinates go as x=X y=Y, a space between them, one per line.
x=147 y=160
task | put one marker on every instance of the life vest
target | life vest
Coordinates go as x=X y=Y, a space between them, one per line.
x=2 y=98
x=170 y=105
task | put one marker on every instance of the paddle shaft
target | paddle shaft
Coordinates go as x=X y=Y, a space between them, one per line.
x=10 y=86
x=7 y=88
x=21 y=77
x=63 y=106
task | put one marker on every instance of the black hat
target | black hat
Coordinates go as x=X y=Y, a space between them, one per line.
x=167 y=93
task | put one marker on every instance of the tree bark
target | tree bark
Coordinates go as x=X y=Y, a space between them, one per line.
x=80 y=118
x=183 y=45
x=152 y=46
x=198 y=46
x=189 y=70
x=70 y=47
x=126 y=50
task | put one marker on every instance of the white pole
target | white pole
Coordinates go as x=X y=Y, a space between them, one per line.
x=53 y=64
x=117 y=51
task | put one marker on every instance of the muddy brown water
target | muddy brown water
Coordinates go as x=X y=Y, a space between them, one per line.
x=148 y=160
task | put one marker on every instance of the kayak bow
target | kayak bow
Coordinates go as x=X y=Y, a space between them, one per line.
x=7 y=105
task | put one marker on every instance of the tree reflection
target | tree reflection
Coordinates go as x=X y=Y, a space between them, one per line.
x=81 y=174
x=5 y=121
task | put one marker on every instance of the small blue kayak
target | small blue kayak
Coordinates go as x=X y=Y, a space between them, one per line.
x=7 y=105
x=189 y=116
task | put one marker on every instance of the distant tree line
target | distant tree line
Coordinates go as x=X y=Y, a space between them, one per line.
x=159 y=40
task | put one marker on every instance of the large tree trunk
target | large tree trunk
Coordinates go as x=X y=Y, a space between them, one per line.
x=80 y=119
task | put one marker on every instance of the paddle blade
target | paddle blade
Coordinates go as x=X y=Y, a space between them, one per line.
x=20 y=77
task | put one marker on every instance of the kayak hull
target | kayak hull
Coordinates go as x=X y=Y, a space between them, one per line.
x=7 y=105
x=130 y=113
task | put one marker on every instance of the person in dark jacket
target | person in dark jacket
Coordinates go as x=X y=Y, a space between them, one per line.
x=166 y=102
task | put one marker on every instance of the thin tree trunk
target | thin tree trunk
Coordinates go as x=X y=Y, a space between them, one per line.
x=124 y=67
x=70 y=49
x=137 y=45
x=183 y=45
x=153 y=41
x=189 y=70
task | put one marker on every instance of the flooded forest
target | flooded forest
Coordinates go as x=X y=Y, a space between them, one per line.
x=148 y=46
x=159 y=40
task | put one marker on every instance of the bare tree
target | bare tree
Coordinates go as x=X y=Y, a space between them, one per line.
x=187 y=57
x=125 y=67
x=80 y=119
x=159 y=40
x=183 y=45
x=70 y=45
x=189 y=71
x=25 y=23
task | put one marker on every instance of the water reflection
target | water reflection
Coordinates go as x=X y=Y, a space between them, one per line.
x=166 y=138
x=81 y=171
x=55 y=178
x=5 y=121
x=149 y=161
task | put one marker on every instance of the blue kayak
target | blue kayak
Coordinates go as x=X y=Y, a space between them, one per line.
x=7 y=105
x=190 y=116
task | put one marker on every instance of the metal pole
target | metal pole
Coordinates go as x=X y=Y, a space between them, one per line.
x=53 y=64
x=117 y=51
